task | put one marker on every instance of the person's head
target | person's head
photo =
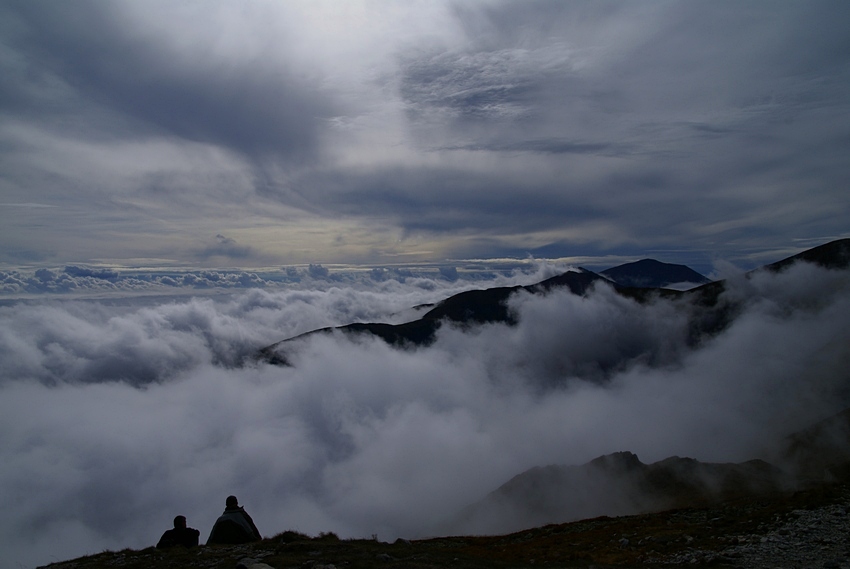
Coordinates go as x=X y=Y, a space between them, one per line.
x=231 y=502
x=180 y=522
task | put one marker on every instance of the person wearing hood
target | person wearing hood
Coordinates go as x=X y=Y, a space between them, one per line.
x=233 y=526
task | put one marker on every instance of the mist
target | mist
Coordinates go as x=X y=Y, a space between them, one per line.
x=116 y=417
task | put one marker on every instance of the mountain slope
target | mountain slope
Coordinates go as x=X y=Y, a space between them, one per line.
x=469 y=308
x=832 y=255
x=708 y=311
x=620 y=484
x=612 y=485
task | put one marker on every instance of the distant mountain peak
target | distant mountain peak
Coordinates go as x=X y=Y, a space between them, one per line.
x=649 y=273
x=617 y=462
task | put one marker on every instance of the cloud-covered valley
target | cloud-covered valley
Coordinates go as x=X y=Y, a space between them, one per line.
x=115 y=417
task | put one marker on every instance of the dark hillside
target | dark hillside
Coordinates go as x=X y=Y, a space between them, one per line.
x=708 y=312
x=832 y=255
x=820 y=452
x=467 y=308
x=614 y=485
x=620 y=484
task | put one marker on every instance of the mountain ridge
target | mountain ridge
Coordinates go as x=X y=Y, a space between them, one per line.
x=707 y=314
x=620 y=484
x=614 y=485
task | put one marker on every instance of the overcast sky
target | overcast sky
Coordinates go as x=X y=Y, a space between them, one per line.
x=246 y=134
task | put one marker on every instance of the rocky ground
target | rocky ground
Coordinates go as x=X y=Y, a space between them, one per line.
x=807 y=529
x=801 y=538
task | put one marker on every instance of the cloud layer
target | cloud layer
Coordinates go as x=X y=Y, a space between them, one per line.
x=307 y=132
x=117 y=416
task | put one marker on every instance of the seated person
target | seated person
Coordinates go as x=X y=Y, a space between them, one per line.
x=234 y=525
x=180 y=535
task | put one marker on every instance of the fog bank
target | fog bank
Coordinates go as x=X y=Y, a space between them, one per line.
x=114 y=419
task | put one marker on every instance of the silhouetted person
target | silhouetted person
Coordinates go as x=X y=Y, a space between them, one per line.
x=180 y=535
x=234 y=525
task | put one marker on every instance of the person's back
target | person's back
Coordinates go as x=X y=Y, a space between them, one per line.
x=233 y=526
x=180 y=535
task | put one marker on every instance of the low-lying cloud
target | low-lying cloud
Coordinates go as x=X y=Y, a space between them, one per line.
x=115 y=418
x=74 y=280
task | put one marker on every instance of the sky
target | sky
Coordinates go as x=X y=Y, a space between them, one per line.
x=263 y=133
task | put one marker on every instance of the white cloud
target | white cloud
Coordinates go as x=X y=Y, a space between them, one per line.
x=359 y=438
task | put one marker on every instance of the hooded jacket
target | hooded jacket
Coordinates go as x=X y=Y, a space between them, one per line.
x=234 y=526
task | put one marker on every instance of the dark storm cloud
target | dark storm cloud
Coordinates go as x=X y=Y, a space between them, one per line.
x=80 y=58
x=347 y=440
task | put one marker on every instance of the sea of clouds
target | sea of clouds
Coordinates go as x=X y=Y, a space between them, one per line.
x=116 y=415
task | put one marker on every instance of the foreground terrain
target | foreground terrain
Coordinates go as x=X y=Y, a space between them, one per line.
x=808 y=528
